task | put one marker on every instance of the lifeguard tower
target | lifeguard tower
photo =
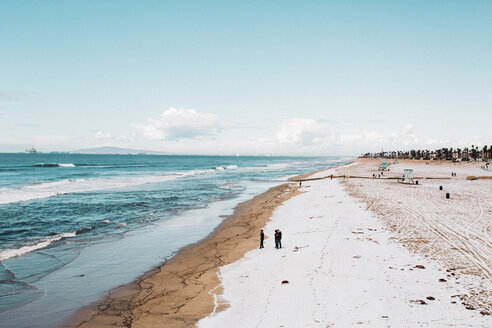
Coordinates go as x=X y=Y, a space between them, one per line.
x=407 y=176
x=383 y=166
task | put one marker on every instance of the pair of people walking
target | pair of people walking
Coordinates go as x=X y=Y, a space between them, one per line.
x=278 y=238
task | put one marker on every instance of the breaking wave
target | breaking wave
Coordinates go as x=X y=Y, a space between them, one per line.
x=11 y=253
x=54 y=165
x=68 y=186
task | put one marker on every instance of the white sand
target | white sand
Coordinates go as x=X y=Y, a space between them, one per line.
x=455 y=232
x=344 y=269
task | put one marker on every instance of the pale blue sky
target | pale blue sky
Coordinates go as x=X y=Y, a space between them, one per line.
x=263 y=77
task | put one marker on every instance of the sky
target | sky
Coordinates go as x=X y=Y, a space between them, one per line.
x=245 y=77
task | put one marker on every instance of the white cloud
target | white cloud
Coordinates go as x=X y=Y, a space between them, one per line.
x=186 y=131
x=408 y=129
x=176 y=124
x=309 y=136
x=301 y=131
x=100 y=135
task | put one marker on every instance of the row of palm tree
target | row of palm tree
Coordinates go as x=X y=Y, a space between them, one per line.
x=465 y=154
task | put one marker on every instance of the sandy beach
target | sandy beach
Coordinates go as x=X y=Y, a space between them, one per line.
x=344 y=262
x=455 y=232
x=356 y=251
x=177 y=294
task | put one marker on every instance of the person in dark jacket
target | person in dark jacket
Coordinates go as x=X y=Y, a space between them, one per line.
x=262 y=237
x=276 y=238
x=279 y=239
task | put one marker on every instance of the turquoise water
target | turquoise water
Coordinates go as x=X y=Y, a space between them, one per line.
x=74 y=226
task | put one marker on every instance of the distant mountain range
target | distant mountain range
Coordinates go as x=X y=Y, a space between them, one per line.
x=116 y=150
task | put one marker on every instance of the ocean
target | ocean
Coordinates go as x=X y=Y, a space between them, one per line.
x=75 y=226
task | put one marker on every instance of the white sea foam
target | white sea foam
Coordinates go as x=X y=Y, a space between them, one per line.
x=54 y=165
x=227 y=186
x=67 y=165
x=56 y=188
x=68 y=186
x=11 y=253
x=194 y=172
x=226 y=167
x=277 y=166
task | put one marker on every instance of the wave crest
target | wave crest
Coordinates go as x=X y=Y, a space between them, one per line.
x=54 y=165
x=11 y=253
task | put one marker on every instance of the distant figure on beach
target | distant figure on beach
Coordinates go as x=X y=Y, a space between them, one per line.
x=262 y=237
x=331 y=177
x=300 y=183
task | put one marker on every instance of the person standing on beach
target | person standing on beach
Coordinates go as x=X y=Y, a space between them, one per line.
x=262 y=237
x=280 y=239
x=276 y=238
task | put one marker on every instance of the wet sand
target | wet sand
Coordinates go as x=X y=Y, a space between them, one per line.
x=177 y=294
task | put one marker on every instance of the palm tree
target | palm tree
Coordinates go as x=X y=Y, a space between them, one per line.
x=474 y=152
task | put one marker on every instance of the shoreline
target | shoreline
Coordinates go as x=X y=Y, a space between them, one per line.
x=176 y=292
x=186 y=288
x=305 y=176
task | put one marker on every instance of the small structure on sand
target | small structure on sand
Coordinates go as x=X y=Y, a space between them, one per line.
x=396 y=161
x=383 y=165
x=407 y=177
